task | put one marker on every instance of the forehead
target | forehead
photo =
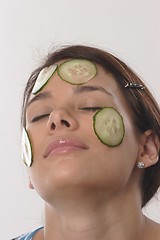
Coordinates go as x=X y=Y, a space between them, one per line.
x=101 y=79
x=59 y=89
x=62 y=90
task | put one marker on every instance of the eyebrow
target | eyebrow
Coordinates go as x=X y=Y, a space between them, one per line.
x=80 y=89
x=40 y=96
x=91 y=88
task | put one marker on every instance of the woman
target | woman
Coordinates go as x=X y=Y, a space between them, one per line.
x=93 y=186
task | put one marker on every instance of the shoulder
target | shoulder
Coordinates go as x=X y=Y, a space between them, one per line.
x=28 y=236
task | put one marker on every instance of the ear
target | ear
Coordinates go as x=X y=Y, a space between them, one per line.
x=30 y=185
x=149 y=150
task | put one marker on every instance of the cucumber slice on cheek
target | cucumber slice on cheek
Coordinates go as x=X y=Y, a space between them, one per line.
x=109 y=127
x=77 y=71
x=26 y=148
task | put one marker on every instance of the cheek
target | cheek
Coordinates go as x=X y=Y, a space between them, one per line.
x=115 y=162
x=111 y=168
x=36 y=135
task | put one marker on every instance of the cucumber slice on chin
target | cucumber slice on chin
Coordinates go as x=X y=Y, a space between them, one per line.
x=77 y=71
x=109 y=126
x=26 y=148
x=43 y=77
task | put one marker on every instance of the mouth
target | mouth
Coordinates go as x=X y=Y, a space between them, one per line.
x=62 y=146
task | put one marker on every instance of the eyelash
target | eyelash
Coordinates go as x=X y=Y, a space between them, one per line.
x=90 y=109
x=37 y=118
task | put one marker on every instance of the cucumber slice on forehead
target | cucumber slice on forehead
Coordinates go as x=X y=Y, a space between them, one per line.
x=26 y=148
x=43 y=77
x=77 y=71
x=108 y=126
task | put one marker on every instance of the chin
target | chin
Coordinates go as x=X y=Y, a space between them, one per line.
x=60 y=189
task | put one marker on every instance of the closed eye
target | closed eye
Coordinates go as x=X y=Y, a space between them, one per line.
x=37 y=118
x=91 y=109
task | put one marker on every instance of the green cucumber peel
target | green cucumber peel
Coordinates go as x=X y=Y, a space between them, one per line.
x=74 y=71
x=109 y=126
x=77 y=71
x=26 y=148
x=43 y=77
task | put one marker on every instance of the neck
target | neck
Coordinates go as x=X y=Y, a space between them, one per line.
x=95 y=215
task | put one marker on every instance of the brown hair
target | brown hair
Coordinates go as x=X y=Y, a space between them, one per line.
x=146 y=113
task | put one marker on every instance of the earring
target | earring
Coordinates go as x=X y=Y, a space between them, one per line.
x=140 y=165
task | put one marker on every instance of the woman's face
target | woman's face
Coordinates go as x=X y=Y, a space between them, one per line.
x=66 y=151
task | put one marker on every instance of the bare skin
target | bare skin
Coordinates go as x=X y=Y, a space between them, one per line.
x=92 y=193
x=106 y=222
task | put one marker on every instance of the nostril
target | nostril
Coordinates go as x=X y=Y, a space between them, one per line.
x=64 y=122
x=53 y=126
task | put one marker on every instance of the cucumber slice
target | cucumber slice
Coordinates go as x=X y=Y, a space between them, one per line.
x=26 y=148
x=108 y=126
x=43 y=77
x=77 y=71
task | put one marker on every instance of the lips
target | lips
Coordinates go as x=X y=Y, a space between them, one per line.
x=63 y=146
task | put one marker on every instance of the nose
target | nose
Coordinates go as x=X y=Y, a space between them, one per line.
x=61 y=119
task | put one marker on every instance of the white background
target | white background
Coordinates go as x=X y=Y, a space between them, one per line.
x=29 y=29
